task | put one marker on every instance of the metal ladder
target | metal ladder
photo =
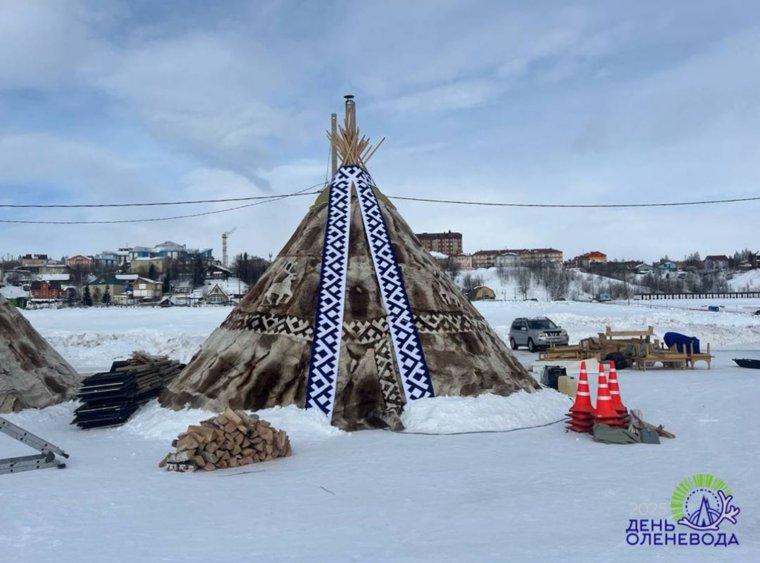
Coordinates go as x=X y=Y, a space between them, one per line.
x=46 y=457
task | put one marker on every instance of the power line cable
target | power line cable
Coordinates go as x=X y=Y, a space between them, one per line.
x=158 y=219
x=266 y=199
x=154 y=204
x=575 y=205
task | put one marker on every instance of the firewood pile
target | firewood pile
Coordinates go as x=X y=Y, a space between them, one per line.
x=231 y=439
x=110 y=398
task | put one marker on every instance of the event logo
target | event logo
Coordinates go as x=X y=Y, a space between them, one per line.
x=703 y=502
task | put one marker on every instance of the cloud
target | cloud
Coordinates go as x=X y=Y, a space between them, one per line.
x=68 y=167
x=497 y=102
x=42 y=44
x=197 y=93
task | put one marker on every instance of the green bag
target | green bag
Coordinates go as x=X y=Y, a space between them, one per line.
x=607 y=434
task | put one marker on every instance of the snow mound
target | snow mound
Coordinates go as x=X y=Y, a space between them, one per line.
x=153 y=422
x=448 y=415
x=440 y=415
x=94 y=351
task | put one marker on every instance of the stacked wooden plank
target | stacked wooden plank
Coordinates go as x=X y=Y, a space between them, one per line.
x=110 y=398
x=231 y=439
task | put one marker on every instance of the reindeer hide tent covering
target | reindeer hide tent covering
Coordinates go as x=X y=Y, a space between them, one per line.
x=32 y=373
x=353 y=317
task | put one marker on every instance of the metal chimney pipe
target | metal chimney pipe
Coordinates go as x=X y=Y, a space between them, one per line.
x=350 y=112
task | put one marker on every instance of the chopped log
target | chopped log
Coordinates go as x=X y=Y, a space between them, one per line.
x=187 y=443
x=230 y=439
x=208 y=457
x=233 y=416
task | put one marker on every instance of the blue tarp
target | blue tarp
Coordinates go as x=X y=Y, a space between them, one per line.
x=681 y=341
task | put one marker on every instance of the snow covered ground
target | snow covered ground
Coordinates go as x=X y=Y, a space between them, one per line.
x=538 y=494
x=745 y=281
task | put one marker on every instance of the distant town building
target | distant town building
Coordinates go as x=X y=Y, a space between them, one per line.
x=464 y=261
x=146 y=289
x=716 y=263
x=593 y=257
x=666 y=266
x=448 y=243
x=53 y=268
x=127 y=256
x=217 y=272
x=217 y=296
x=488 y=258
x=114 y=286
x=81 y=262
x=143 y=265
x=507 y=260
x=110 y=260
x=46 y=290
x=53 y=277
x=34 y=261
x=535 y=255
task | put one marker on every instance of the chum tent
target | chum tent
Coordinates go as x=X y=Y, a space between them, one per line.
x=32 y=373
x=353 y=318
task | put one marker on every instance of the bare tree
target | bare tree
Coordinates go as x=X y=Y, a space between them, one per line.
x=451 y=267
x=470 y=282
x=523 y=281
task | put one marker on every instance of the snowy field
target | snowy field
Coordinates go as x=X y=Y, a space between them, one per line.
x=538 y=494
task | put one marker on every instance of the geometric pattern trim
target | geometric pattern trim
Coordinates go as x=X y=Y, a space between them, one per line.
x=360 y=332
x=272 y=324
x=410 y=358
x=437 y=323
x=331 y=295
x=386 y=374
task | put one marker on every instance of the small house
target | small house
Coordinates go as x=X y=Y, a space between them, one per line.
x=666 y=266
x=146 y=289
x=81 y=262
x=716 y=263
x=46 y=290
x=217 y=296
x=217 y=272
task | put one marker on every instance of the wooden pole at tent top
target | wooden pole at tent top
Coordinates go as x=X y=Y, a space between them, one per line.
x=333 y=147
x=352 y=147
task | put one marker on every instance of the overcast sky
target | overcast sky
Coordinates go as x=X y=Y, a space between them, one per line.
x=539 y=102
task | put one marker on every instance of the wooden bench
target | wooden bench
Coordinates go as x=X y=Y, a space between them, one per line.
x=650 y=353
x=585 y=349
x=701 y=357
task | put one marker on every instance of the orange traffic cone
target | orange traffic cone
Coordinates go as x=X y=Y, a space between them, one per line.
x=617 y=402
x=582 y=412
x=605 y=413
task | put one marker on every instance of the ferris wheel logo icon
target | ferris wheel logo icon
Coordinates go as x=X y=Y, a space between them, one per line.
x=703 y=502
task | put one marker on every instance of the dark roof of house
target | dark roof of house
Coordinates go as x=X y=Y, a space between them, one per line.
x=439 y=235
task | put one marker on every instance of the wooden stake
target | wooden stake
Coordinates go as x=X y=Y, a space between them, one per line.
x=333 y=146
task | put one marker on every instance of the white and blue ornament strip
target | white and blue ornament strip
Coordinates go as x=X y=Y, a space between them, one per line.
x=410 y=358
x=328 y=325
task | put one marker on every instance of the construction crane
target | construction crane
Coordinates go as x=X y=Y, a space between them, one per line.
x=224 y=245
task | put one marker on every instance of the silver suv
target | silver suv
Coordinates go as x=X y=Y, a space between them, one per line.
x=536 y=333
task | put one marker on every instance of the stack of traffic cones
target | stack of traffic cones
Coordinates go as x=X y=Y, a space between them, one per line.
x=581 y=415
x=617 y=402
x=605 y=412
